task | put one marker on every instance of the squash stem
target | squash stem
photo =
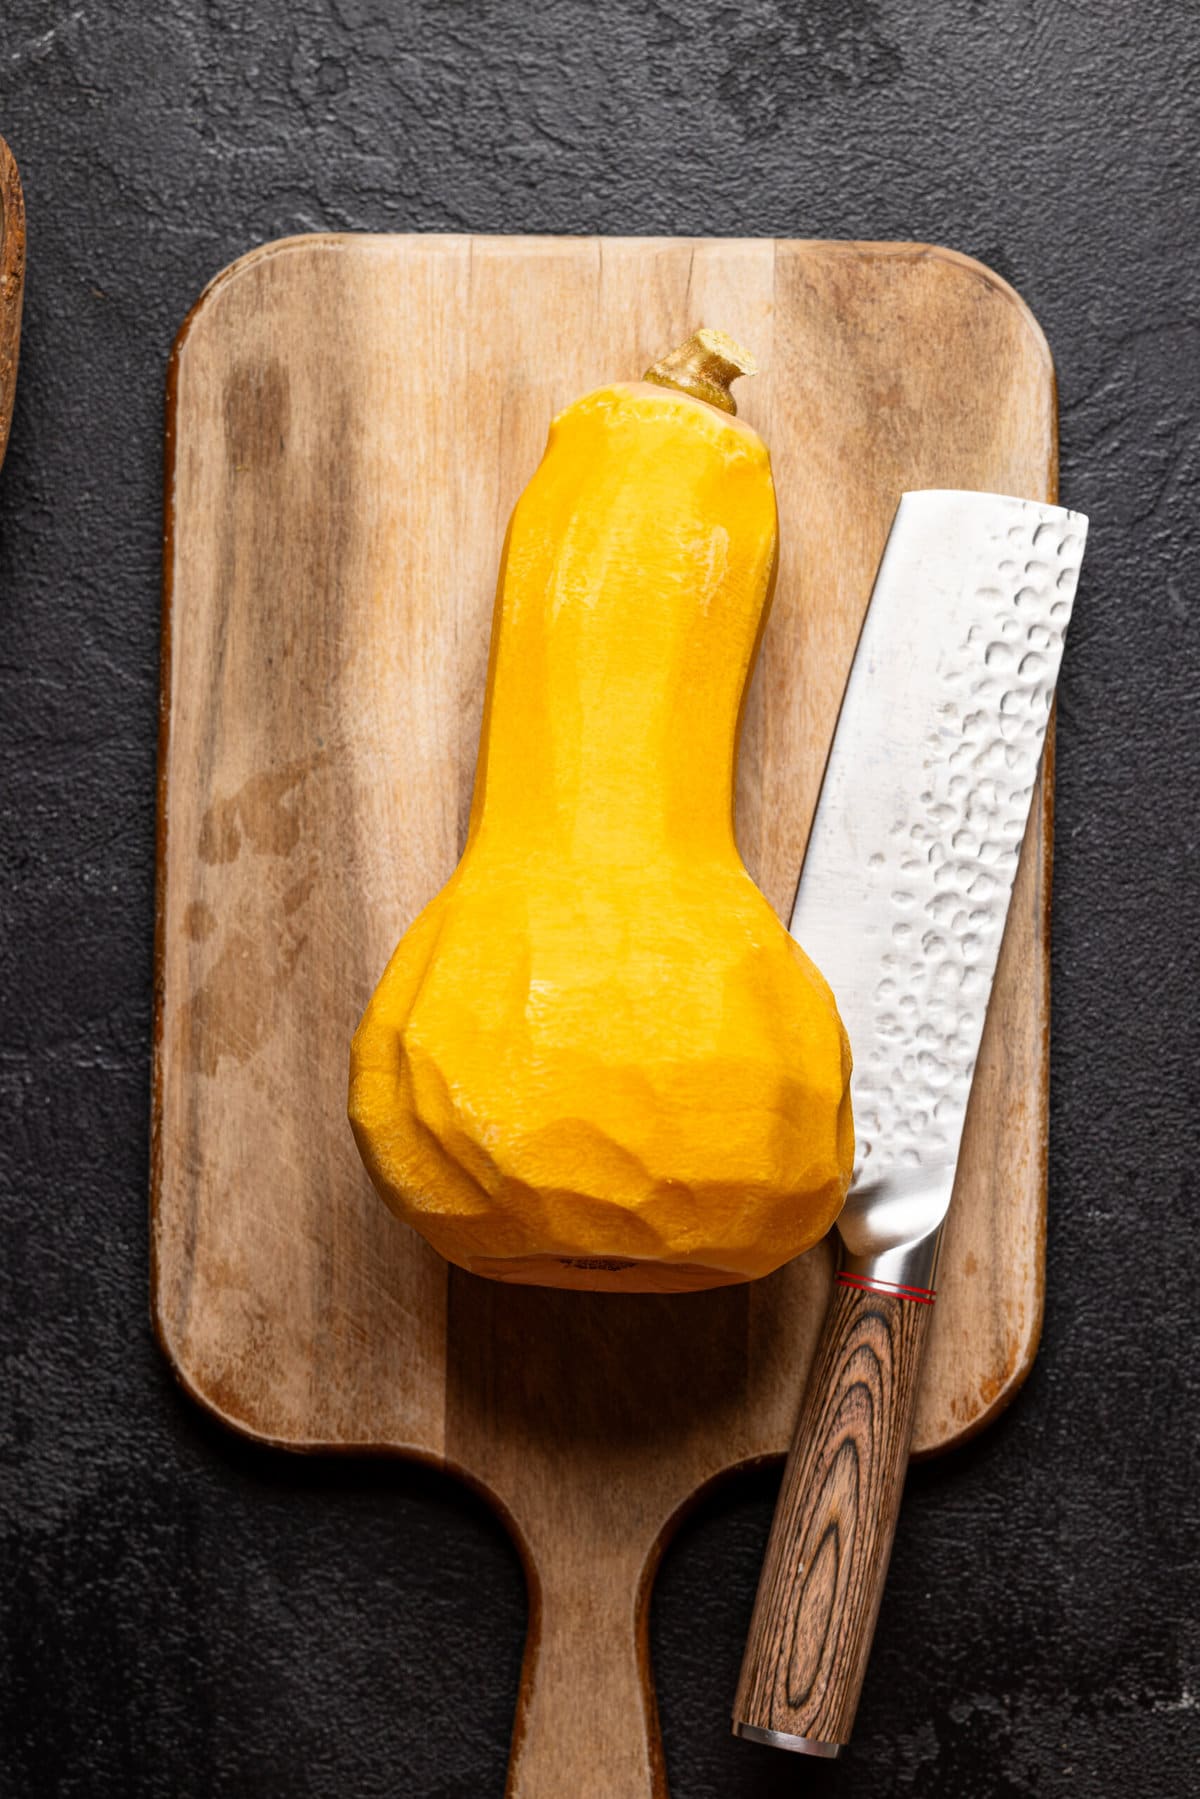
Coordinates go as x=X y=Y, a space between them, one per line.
x=705 y=366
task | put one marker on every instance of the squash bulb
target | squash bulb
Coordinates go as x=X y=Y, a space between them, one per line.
x=597 y=1059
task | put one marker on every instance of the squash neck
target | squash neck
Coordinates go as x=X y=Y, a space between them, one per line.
x=630 y=785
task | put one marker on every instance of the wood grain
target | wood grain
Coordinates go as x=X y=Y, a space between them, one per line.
x=831 y=1538
x=12 y=285
x=349 y=423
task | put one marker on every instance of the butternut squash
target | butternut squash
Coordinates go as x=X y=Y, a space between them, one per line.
x=597 y=1059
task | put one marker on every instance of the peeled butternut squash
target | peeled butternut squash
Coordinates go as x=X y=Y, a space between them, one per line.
x=597 y=1059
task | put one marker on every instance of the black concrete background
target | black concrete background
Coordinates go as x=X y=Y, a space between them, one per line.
x=185 y=1616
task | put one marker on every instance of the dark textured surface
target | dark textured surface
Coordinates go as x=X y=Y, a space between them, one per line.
x=185 y=1616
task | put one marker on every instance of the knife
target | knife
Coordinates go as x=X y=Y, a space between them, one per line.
x=901 y=904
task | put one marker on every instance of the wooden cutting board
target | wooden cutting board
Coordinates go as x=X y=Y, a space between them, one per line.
x=350 y=420
x=12 y=285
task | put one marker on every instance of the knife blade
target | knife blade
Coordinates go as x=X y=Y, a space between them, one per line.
x=902 y=903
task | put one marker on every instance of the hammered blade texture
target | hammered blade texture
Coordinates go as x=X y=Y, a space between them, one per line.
x=914 y=848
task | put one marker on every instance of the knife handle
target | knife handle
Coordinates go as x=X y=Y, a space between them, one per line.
x=827 y=1558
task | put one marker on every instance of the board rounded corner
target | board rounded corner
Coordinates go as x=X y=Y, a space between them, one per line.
x=208 y=1403
x=978 y=270
x=232 y=272
x=1005 y=1394
x=918 y=251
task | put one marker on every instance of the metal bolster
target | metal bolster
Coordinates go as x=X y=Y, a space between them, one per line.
x=910 y=1269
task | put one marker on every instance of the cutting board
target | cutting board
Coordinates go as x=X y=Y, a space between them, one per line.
x=12 y=285
x=350 y=420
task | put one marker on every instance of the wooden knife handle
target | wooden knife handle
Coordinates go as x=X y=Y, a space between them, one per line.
x=827 y=1558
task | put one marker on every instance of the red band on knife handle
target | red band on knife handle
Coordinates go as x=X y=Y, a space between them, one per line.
x=869 y=1283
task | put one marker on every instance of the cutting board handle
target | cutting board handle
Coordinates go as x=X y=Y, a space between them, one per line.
x=587 y=1722
x=827 y=1557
